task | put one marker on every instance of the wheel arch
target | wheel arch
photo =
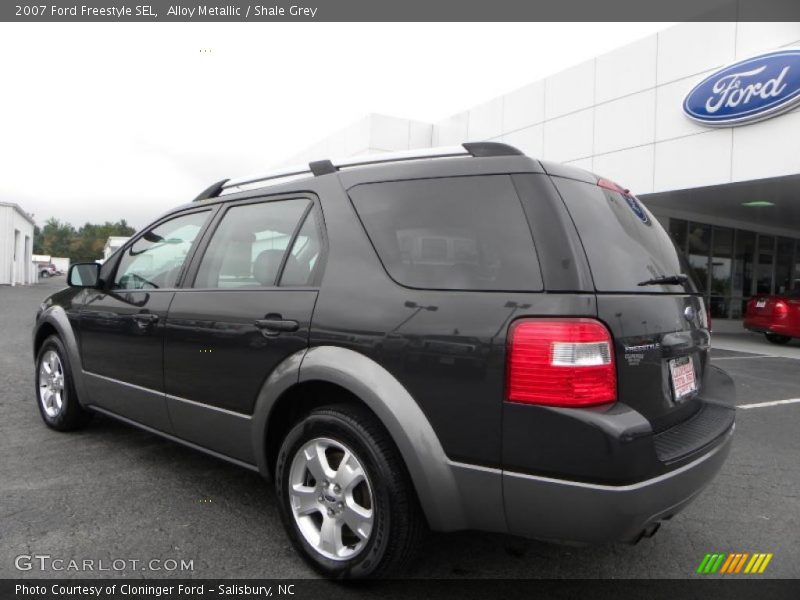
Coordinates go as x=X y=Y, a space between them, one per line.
x=56 y=322
x=351 y=376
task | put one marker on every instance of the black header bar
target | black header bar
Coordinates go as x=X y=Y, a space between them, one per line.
x=399 y=10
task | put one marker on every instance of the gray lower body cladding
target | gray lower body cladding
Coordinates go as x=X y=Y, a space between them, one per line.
x=570 y=511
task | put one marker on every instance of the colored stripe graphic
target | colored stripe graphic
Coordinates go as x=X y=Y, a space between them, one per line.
x=733 y=563
x=752 y=562
x=765 y=563
x=758 y=563
x=718 y=562
x=741 y=561
x=710 y=563
x=727 y=564
x=703 y=563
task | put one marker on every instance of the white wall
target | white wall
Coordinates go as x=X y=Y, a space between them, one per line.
x=620 y=114
x=19 y=271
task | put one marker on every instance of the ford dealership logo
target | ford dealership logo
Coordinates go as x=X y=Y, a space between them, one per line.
x=747 y=91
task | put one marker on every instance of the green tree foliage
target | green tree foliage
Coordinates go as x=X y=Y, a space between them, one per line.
x=38 y=248
x=79 y=245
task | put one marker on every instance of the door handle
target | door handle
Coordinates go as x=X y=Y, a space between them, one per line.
x=277 y=325
x=145 y=318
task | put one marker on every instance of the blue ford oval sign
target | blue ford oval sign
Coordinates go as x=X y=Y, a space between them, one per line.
x=747 y=91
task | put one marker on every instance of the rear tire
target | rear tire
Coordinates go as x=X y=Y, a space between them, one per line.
x=55 y=388
x=777 y=339
x=363 y=518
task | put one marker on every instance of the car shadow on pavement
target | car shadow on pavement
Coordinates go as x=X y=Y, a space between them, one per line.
x=226 y=518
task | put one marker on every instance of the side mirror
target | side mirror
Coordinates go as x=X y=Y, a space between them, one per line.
x=84 y=275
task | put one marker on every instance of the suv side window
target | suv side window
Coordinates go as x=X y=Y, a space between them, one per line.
x=452 y=233
x=155 y=259
x=301 y=265
x=249 y=245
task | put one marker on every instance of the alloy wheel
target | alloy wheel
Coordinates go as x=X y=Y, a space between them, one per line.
x=51 y=383
x=331 y=498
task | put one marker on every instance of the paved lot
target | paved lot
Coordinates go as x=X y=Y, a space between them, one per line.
x=111 y=492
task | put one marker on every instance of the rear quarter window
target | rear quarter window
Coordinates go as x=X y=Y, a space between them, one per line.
x=624 y=242
x=455 y=233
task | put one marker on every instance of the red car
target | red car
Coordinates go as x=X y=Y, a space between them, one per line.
x=777 y=317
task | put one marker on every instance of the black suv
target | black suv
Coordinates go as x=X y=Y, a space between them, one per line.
x=468 y=340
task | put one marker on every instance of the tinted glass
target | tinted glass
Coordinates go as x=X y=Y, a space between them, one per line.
x=302 y=261
x=766 y=258
x=247 y=248
x=155 y=260
x=624 y=243
x=721 y=272
x=783 y=266
x=677 y=229
x=796 y=276
x=457 y=233
x=699 y=252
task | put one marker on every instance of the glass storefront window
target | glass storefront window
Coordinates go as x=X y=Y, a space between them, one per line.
x=699 y=247
x=721 y=269
x=742 y=287
x=677 y=230
x=783 y=266
x=796 y=276
x=732 y=265
x=766 y=259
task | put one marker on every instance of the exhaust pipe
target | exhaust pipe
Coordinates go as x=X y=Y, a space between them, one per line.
x=648 y=532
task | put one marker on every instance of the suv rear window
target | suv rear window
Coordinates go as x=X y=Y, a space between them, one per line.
x=456 y=233
x=624 y=242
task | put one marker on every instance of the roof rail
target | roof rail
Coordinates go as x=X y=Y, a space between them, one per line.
x=325 y=167
x=211 y=191
x=482 y=149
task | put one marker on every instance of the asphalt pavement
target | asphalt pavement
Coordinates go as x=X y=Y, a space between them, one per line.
x=112 y=492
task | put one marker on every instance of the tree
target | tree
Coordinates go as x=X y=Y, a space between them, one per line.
x=38 y=248
x=81 y=245
x=56 y=238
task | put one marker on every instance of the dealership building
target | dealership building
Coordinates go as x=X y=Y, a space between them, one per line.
x=724 y=183
x=16 y=245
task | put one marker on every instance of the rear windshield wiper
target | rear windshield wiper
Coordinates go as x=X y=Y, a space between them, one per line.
x=679 y=279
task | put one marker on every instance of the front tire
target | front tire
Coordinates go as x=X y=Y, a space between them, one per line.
x=55 y=388
x=777 y=339
x=345 y=497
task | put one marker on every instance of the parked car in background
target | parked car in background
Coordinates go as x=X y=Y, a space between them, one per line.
x=61 y=264
x=47 y=266
x=776 y=316
x=46 y=270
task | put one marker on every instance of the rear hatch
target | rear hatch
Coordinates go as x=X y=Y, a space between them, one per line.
x=659 y=325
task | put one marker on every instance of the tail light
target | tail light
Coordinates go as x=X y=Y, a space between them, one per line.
x=560 y=362
x=780 y=310
x=614 y=187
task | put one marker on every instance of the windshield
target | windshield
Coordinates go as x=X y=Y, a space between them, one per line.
x=625 y=244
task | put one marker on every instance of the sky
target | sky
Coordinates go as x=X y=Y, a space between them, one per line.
x=127 y=120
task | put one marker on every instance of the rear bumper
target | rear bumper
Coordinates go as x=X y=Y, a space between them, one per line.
x=772 y=327
x=555 y=509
